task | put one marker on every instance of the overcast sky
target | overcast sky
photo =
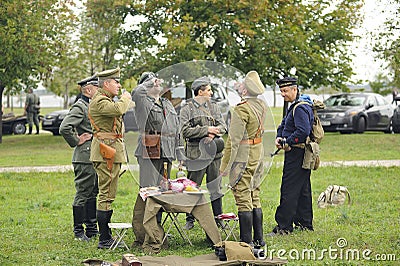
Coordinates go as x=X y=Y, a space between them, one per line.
x=364 y=64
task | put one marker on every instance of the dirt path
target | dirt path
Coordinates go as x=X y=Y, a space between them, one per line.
x=66 y=168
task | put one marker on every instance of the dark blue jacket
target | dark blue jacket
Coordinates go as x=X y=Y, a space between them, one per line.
x=296 y=129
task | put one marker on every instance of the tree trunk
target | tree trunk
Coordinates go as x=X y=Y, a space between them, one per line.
x=1 y=111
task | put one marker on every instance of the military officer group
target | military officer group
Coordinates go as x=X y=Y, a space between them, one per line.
x=94 y=127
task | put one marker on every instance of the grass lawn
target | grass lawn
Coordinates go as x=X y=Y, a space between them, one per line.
x=36 y=220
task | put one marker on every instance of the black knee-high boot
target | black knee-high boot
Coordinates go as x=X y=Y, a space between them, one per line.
x=103 y=218
x=258 y=233
x=79 y=215
x=246 y=226
x=91 y=218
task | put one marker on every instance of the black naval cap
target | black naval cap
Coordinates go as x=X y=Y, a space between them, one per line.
x=146 y=76
x=93 y=80
x=203 y=81
x=285 y=82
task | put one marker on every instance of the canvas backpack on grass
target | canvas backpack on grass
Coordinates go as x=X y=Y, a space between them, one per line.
x=311 y=156
x=334 y=195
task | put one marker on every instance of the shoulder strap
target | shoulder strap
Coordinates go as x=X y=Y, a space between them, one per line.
x=97 y=128
x=297 y=104
x=260 y=124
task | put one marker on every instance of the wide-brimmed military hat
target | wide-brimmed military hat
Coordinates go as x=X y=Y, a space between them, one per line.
x=203 y=81
x=253 y=83
x=93 y=80
x=109 y=74
x=287 y=81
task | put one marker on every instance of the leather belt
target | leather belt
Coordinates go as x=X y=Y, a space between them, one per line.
x=251 y=141
x=299 y=145
x=107 y=135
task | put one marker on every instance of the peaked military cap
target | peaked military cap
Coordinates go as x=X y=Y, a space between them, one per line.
x=285 y=82
x=146 y=76
x=109 y=74
x=89 y=81
x=253 y=83
x=203 y=81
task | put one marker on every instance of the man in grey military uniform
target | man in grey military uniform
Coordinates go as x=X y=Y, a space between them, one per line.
x=32 y=106
x=77 y=132
x=155 y=116
x=108 y=150
x=202 y=126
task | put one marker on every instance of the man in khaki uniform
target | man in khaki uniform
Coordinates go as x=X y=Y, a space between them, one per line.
x=108 y=128
x=243 y=158
x=77 y=132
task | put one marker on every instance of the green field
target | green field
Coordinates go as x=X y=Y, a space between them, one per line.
x=36 y=213
x=36 y=220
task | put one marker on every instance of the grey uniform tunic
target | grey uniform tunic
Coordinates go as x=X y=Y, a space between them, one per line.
x=201 y=158
x=155 y=118
x=74 y=124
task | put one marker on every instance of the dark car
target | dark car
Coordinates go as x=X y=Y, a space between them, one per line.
x=14 y=124
x=178 y=96
x=356 y=113
x=52 y=121
x=396 y=120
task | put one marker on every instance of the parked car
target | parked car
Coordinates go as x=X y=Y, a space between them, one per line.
x=356 y=113
x=178 y=96
x=396 y=120
x=13 y=124
x=52 y=121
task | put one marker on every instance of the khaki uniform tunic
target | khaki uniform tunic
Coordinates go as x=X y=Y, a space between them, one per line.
x=243 y=160
x=104 y=111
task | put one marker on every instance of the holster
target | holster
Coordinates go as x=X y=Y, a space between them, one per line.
x=152 y=146
x=108 y=154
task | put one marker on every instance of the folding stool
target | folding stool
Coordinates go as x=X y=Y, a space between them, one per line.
x=120 y=231
x=229 y=224
x=173 y=216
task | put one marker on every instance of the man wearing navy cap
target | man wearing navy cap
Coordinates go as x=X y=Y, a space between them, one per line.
x=202 y=128
x=77 y=132
x=295 y=202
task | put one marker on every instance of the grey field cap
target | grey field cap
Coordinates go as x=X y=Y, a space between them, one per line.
x=203 y=81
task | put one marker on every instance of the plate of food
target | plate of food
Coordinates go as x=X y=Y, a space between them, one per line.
x=195 y=192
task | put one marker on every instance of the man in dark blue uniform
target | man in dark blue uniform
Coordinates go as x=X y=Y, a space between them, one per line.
x=295 y=203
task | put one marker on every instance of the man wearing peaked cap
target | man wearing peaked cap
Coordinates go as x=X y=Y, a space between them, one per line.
x=286 y=82
x=295 y=204
x=77 y=132
x=243 y=158
x=93 y=80
x=109 y=74
x=156 y=118
x=108 y=150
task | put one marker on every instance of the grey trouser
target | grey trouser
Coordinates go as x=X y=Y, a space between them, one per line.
x=86 y=183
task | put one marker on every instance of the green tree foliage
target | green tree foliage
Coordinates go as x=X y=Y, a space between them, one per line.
x=32 y=37
x=388 y=43
x=381 y=85
x=271 y=37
